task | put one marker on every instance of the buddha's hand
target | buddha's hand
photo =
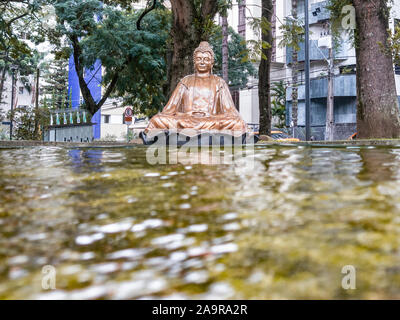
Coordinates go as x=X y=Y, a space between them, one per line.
x=199 y=114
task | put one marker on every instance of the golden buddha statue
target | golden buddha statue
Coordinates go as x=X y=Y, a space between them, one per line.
x=200 y=102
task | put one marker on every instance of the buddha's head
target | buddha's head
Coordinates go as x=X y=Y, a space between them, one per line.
x=203 y=58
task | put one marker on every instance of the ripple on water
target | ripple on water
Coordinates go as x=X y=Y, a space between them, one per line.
x=274 y=224
x=115 y=227
x=152 y=174
x=84 y=240
x=128 y=254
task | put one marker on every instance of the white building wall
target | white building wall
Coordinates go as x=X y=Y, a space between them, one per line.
x=25 y=98
x=233 y=16
x=248 y=101
x=115 y=129
x=281 y=10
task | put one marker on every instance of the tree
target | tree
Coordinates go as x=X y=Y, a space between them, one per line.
x=240 y=69
x=225 y=53
x=295 y=91
x=260 y=51
x=378 y=109
x=14 y=15
x=24 y=119
x=55 y=78
x=279 y=103
x=394 y=44
x=293 y=35
x=21 y=20
x=133 y=60
x=377 y=104
x=192 y=22
x=264 y=82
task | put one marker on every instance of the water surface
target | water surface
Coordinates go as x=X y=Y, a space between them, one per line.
x=115 y=227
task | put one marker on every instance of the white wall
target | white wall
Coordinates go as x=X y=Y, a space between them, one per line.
x=249 y=105
x=24 y=99
x=116 y=127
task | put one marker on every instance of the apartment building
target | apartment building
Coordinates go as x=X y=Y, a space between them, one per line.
x=24 y=87
x=344 y=67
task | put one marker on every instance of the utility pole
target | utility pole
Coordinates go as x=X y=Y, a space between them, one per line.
x=12 y=99
x=329 y=128
x=295 y=79
x=307 y=71
x=37 y=102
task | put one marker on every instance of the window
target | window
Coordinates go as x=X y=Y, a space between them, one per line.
x=350 y=69
x=300 y=77
x=106 y=118
x=21 y=90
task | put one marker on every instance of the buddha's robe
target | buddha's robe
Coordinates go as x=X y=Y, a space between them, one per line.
x=200 y=103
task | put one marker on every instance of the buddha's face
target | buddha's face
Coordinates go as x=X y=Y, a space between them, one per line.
x=203 y=62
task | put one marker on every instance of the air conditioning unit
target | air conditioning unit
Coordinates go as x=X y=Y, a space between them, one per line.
x=325 y=42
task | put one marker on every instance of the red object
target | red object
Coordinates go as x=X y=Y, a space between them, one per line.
x=128 y=113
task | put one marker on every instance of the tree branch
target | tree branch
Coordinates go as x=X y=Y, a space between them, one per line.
x=16 y=18
x=144 y=13
x=109 y=89
x=87 y=96
x=209 y=8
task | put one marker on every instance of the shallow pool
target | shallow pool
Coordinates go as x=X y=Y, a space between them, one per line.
x=103 y=223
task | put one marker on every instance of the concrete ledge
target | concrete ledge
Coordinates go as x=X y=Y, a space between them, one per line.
x=338 y=143
x=361 y=142
x=32 y=143
x=136 y=142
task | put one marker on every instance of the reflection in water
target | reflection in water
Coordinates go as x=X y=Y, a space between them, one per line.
x=115 y=226
x=86 y=158
x=378 y=165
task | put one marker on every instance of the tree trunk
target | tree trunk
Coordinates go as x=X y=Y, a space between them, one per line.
x=264 y=80
x=188 y=30
x=224 y=23
x=295 y=90
x=184 y=41
x=2 y=80
x=330 y=101
x=91 y=104
x=377 y=108
x=36 y=129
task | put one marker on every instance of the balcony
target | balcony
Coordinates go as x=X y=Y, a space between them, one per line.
x=345 y=86
x=317 y=13
x=315 y=53
x=342 y=52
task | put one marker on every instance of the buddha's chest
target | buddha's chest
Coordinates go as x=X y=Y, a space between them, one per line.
x=200 y=96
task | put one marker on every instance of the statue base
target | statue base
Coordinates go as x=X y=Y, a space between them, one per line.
x=197 y=138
